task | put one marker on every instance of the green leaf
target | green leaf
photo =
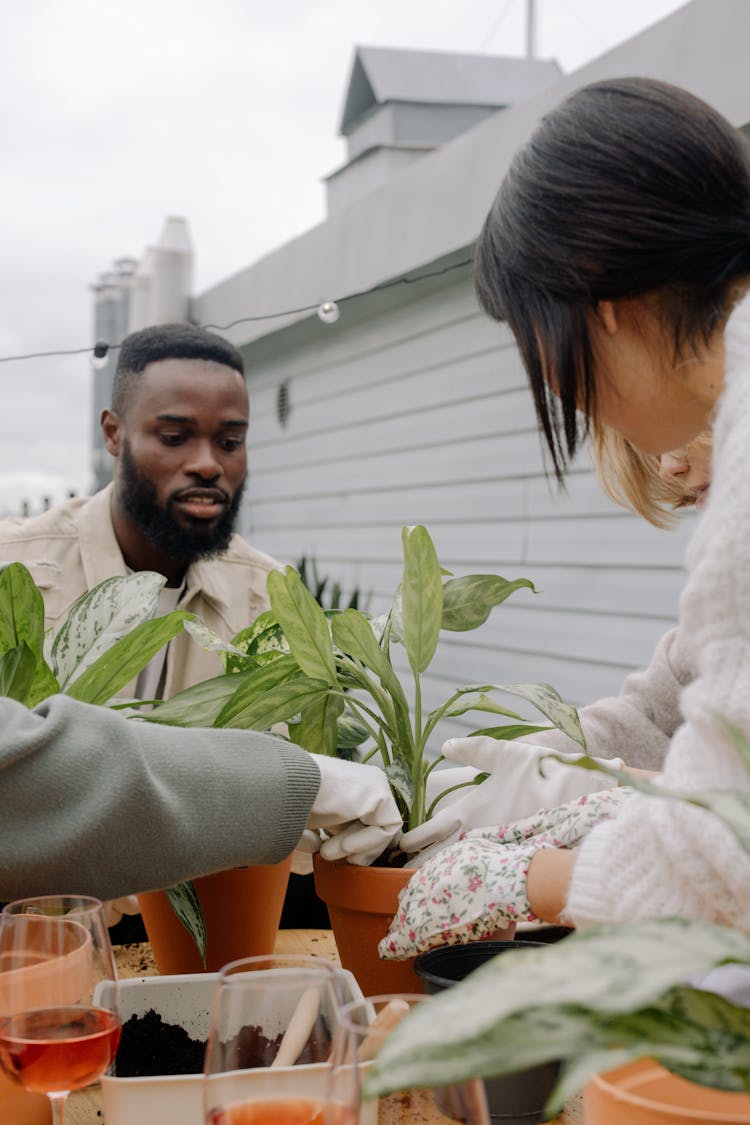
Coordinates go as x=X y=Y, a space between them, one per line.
x=508 y=733
x=101 y=617
x=304 y=624
x=468 y=601
x=481 y=703
x=21 y=610
x=317 y=728
x=17 y=668
x=117 y=665
x=401 y=782
x=200 y=705
x=350 y=732
x=276 y=693
x=186 y=905
x=353 y=634
x=421 y=598
x=562 y=1001
x=550 y=703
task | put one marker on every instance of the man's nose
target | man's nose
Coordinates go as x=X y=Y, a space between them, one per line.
x=203 y=462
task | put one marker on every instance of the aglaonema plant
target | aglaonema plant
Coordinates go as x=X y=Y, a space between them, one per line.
x=106 y=638
x=603 y=997
x=333 y=675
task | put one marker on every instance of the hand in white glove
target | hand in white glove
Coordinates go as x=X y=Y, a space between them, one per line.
x=355 y=809
x=515 y=788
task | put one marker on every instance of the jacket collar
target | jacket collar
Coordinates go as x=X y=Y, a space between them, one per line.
x=102 y=558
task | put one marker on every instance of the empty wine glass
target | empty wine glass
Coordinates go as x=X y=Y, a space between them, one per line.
x=58 y=994
x=361 y=1029
x=268 y=1050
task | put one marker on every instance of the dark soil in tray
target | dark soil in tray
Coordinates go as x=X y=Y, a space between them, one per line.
x=150 y=1047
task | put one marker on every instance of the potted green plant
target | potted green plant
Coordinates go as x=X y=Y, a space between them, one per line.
x=335 y=675
x=612 y=1001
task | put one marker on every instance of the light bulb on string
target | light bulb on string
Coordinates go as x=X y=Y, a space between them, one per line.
x=99 y=355
x=328 y=312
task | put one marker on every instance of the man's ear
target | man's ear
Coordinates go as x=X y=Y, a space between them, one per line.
x=113 y=431
x=606 y=312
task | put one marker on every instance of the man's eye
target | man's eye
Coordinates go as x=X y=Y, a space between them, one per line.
x=230 y=444
x=172 y=439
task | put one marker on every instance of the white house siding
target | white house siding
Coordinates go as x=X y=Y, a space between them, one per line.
x=419 y=413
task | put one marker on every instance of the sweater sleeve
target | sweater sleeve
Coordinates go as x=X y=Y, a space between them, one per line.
x=637 y=724
x=93 y=803
x=663 y=857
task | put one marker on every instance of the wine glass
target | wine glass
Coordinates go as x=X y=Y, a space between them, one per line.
x=361 y=1029
x=268 y=1051
x=58 y=995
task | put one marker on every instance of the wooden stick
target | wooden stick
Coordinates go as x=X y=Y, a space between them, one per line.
x=385 y=1021
x=298 y=1029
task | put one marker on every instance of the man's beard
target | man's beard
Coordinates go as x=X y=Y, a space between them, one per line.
x=187 y=544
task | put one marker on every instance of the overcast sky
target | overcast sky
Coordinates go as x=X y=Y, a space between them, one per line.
x=118 y=113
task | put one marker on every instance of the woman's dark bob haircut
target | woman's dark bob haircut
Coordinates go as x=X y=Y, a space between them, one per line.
x=629 y=187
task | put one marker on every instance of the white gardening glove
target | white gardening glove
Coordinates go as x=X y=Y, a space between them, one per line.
x=355 y=811
x=515 y=788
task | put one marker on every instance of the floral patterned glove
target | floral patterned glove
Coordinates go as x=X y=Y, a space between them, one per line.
x=478 y=885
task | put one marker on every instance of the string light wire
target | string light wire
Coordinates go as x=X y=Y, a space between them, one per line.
x=101 y=348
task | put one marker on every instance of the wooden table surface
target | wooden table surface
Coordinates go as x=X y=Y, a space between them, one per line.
x=85 y=1107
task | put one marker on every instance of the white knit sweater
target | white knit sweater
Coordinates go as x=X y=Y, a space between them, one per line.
x=663 y=857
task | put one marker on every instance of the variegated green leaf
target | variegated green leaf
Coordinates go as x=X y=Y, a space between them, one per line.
x=118 y=664
x=563 y=715
x=304 y=624
x=200 y=705
x=350 y=732
x=185 y=902
x=468 y=601
x=421 y=598
x=100 y=618
x=555 y=1002
x=208 y=640
x=317 y=729
x=401 y=782
x=277 y=705
x=481 y=702
x=353 y=634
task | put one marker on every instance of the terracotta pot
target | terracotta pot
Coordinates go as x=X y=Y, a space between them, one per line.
x=361 y=903
x=241 y=908
x=42 y=983
x=644 y=1093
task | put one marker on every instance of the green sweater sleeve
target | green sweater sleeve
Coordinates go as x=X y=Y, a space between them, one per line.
x=93 y=803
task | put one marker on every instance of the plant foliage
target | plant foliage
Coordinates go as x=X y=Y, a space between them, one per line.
x=332 y=676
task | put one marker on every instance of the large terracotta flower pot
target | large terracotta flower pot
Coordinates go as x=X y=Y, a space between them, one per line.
x=241 y=908
x=42 y=985
x=644 y=1093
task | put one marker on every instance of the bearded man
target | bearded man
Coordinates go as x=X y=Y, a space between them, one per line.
x=176 y=430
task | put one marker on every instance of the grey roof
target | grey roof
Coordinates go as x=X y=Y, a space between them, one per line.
x=383 y=74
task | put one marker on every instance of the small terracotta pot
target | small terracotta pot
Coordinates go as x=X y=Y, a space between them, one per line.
x=644 y=1093
x=361 y=903
x=241 y=908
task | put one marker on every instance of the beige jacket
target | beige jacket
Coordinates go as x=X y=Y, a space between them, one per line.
x=72 y=547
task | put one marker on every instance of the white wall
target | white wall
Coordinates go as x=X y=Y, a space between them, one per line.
x=417 y=411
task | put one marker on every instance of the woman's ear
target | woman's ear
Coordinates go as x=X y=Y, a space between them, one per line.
x=607 y=314
x=111 y=424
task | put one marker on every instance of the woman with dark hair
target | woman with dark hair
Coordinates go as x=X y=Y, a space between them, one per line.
x=618 y=251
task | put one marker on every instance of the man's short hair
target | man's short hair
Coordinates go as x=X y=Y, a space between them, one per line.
x=168 y=341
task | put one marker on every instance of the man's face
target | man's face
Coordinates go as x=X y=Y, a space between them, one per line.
x=181 y=455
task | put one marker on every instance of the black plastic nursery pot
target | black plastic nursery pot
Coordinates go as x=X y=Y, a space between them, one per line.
x=513 y=1099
